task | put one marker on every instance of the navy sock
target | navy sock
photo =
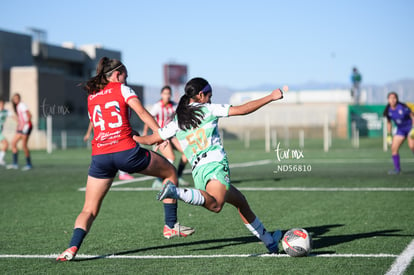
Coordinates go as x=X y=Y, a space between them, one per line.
x=28 y=161
x=77 y=237
x=170 y=212
x=14 y=158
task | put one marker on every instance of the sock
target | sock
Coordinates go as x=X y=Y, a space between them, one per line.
x=180 y=169
x=170 y=214
x=28 y=161
x=77 y=237
x=396 y=160
x=191 y=196
x=15 y=158
x=257 y=229
x=2 y=153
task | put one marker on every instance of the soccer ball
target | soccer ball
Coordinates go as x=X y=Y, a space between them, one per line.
x=297 y=242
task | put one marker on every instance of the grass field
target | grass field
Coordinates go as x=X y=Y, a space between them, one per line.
x=360 y=218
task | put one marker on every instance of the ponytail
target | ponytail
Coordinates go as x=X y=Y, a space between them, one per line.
x=190 y=116
x=104 y=70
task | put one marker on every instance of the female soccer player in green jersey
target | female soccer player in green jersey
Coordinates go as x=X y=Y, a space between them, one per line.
x=195 y=126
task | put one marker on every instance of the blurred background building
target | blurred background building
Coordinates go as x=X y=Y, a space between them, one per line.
x=49 y=78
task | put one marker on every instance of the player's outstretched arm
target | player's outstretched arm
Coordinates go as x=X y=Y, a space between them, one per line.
x=148 y=140
x=251 y=106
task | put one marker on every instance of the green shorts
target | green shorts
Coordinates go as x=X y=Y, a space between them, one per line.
x=212 y=171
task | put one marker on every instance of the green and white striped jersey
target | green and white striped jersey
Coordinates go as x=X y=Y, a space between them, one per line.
x=203 y=144
x=3 y=116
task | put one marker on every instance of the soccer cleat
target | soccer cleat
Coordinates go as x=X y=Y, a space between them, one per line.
x=168 y=191
x=157 y=184
x=394 y=172
x=183 y=182
x=274 y=247
x=177 y=231
x=68 y=254
x=12 y=166
x=27 y=168
x=125 y=176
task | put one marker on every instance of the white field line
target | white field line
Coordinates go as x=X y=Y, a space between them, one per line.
x=298 y=189
x=264 y=162
x=402 y=261
x=188 y=171
x=54 y=256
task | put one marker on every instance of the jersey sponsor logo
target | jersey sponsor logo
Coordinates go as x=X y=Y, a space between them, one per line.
x=103 y=92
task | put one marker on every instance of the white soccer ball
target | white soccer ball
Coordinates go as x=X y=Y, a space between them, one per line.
x=297 y=242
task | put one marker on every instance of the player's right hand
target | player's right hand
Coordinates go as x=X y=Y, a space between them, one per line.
x=389 y=139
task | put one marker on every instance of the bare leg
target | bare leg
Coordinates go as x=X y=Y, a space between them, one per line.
x=161 y=168
x=96 y=190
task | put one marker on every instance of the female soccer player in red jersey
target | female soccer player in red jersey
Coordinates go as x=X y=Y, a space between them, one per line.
x=113 y=149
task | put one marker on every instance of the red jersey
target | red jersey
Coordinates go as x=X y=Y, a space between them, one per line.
x=109 y=113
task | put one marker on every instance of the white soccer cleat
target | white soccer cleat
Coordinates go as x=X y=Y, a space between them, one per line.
x=177 y=231
x=27 y=168
x=12 y=166
x=68 y=254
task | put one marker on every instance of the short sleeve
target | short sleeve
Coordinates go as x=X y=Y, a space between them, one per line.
x=155 y=110
x=220 y=110
x=169 y=130
x=127 y=93
x=22 y=107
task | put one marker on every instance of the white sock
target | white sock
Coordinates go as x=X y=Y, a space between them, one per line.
x=191 y=196
x=2 y=153
x=257 y=229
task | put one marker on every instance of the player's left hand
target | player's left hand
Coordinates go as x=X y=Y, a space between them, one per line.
x=278 y=93
x=389 y=139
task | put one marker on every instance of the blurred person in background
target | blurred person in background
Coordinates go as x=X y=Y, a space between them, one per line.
x=164 y=111
x=356 y=79
x=24 y=128
x=403 y=118
x=4 y=113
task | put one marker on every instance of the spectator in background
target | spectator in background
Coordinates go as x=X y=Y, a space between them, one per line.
x=356 y=79
x=163 y=112
x=4 y=113
x=24 y=128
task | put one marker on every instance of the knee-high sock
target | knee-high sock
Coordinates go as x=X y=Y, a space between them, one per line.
x=258 y=229
x=396 y=160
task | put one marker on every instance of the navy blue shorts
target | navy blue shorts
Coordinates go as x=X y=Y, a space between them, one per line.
x=131 y=161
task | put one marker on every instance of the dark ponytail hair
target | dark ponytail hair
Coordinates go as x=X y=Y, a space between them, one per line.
x=190 y=116
x=104 y=70
x=14 y=104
